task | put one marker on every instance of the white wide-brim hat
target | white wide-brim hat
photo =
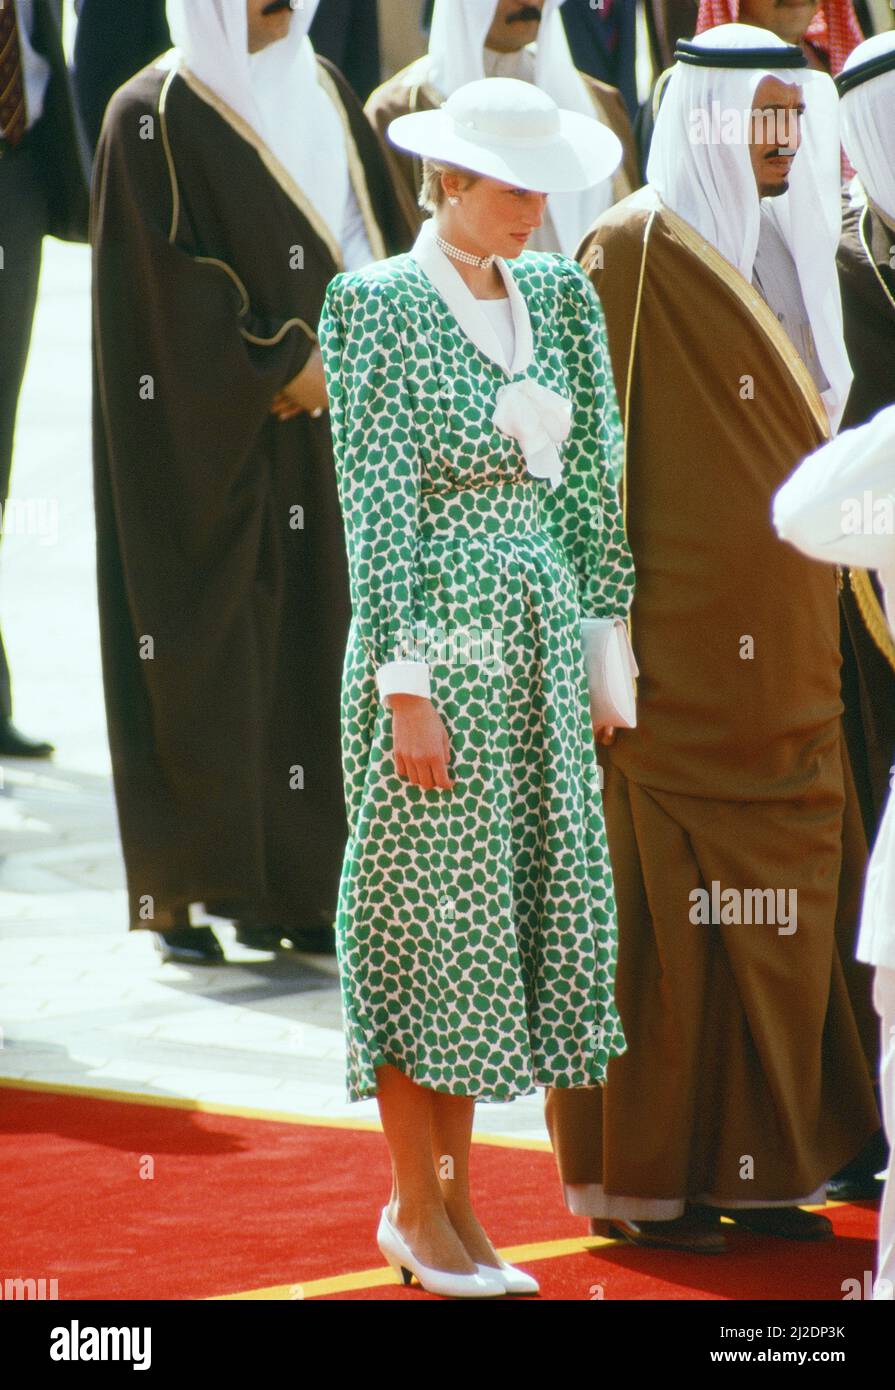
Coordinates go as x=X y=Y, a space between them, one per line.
x=513 y=132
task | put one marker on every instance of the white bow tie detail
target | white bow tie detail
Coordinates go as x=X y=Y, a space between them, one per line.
x=539 y=419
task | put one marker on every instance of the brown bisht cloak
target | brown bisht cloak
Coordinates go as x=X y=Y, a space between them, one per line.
x=744 y=1080
x=401 y=95
x=866 y=275
x=222 y=579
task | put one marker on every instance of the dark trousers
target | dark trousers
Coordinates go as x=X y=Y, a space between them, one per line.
x=23 y=225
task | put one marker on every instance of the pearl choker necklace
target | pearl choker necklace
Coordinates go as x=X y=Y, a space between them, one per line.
x=483 y=262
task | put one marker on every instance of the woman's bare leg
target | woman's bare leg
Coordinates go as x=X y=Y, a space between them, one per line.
x=451 y=1129
x=416 y=1207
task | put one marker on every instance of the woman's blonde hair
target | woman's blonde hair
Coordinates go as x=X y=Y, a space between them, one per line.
x=432 y=194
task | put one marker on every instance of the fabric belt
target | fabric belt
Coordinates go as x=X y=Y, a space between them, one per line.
x=484 y=513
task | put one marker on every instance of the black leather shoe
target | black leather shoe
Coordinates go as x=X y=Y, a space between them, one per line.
x=688 y=1232
x=315 y=941
x=189 y=946
x=14 y=744
x=857 y=1181
x=866 y=1188
x=790 y=1223
x=259 y=938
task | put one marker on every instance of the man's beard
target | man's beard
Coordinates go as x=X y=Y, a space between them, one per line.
x=774 y=190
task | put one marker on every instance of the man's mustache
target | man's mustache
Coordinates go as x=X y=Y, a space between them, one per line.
x=528 y=14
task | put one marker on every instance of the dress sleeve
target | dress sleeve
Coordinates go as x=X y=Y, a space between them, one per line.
x=584 y=513
x=378 y=472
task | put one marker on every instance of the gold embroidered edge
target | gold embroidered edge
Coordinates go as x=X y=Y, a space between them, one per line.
x=166 y=145
x=213 y=260
x=631 y=356
x=621 y=184
x=862 y=237
x=752 y=300
x=872 y=613
x=277 y=170
x=356 y=169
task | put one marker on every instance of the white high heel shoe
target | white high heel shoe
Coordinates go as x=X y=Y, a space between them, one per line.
x=485 y=1283
x=514 y=1280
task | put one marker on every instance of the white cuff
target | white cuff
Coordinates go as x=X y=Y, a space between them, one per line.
x=404 y=678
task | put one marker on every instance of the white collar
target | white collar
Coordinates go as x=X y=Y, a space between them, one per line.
x=465 y=308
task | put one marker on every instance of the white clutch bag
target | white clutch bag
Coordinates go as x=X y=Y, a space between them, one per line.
x=611 y=672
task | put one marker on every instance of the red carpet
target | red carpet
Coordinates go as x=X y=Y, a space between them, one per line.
x=238 y=1203
x=754 y=1269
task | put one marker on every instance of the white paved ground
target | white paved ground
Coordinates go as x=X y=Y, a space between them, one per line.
x=82 y=1001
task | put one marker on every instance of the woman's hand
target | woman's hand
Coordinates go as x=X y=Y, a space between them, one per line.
x=421 y=746
x=604 y=734
x=305 y=394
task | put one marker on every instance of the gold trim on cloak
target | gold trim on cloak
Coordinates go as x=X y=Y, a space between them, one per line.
x=871 y=207
x=284 y=179
x=659 y=90
x=631 y=356
x=356 y=170
x=213 y=260
x=887 y=221
x=872 y=613
x=169 y=158
x=752 y=301
x=277 y=171
x=621 y=184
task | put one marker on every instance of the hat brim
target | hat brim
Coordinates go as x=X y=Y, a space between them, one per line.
x=584 y=152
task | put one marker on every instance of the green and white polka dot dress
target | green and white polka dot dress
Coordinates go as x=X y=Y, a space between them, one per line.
x=476 y=930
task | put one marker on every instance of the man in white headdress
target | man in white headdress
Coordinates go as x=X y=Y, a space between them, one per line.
x=866 y=262
x=824 y=509
x=233 y=180
x=733 y=828
x=525 y=39
x=867 y=249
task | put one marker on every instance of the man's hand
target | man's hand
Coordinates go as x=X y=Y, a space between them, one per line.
x=604 y=734
x=305 y=394
x=421 y=745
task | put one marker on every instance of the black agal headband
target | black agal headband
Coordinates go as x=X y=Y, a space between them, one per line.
x=788 y=56
x=862 y=72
